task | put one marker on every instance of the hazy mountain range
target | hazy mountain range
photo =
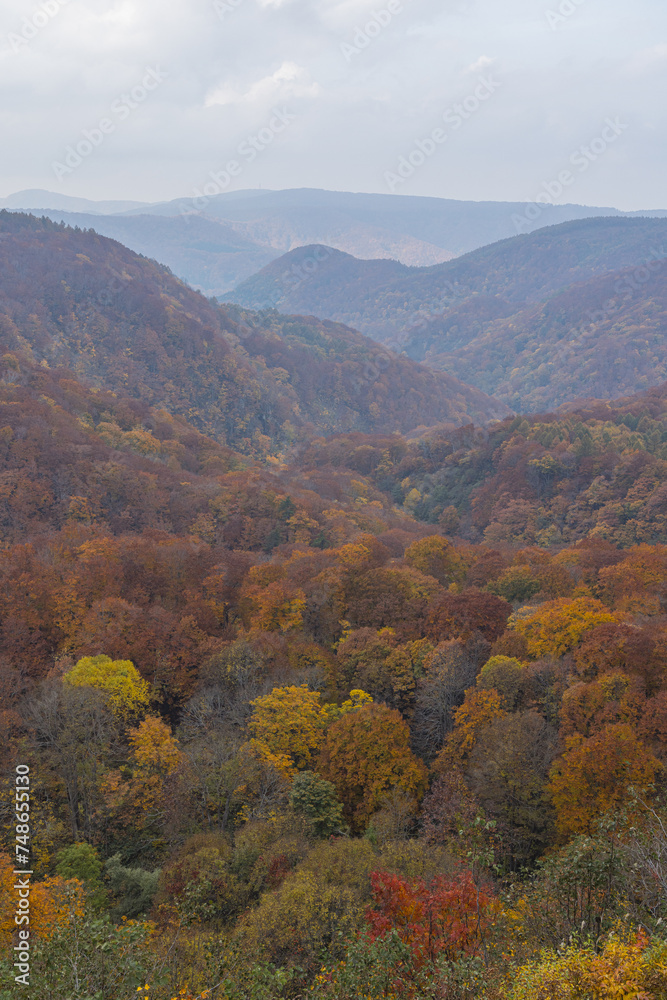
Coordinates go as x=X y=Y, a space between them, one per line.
x=574 y=310
x=215 y=242
x=528 y=323
x=258 y=383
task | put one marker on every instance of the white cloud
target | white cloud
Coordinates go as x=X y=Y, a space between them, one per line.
x=480 y=64
x=289 y=80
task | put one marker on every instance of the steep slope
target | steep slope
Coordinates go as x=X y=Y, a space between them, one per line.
x=207 y=253
x=534 y=320
x=71 y=454
x=124 y=530
x=256 y=383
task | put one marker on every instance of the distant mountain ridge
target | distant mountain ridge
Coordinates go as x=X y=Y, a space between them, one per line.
x=36 y=198
x=207 y=253
x=216 y=242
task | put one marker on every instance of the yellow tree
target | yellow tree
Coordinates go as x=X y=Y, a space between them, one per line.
x=555 y=627
x=288 y=727
x=478 y=710
x=128 y=694
x=436 y=556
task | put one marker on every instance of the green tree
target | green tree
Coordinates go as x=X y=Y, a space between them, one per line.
x=506 y=674
x=132 y=888
x=77 y=737
x=315 y=798
x=91 y=957
x=318 y=907
x=82 y=861
x=516 y=584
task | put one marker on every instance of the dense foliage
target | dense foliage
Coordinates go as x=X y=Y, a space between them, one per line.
x=333 y=727
x=596 y=471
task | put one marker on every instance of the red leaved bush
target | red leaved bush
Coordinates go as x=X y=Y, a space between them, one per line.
x=447 y=916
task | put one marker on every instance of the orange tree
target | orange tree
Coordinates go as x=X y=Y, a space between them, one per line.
x=637 y=583
x=595 y=775
x=53 y=903
x=135 y=796
x=457 y=616
x=557 y=626
x=365 y=754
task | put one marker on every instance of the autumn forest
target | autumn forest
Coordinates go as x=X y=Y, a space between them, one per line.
x=335 y=676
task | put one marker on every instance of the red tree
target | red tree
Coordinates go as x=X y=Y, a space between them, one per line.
x=448 y=916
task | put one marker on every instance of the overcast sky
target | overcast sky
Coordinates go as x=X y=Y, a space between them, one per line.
x=353 y=101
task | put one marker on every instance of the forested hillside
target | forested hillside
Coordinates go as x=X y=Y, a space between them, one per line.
x=256 y=383
x=570 y=311
x=606 y=337
x=595 y=470
x=385 y=718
